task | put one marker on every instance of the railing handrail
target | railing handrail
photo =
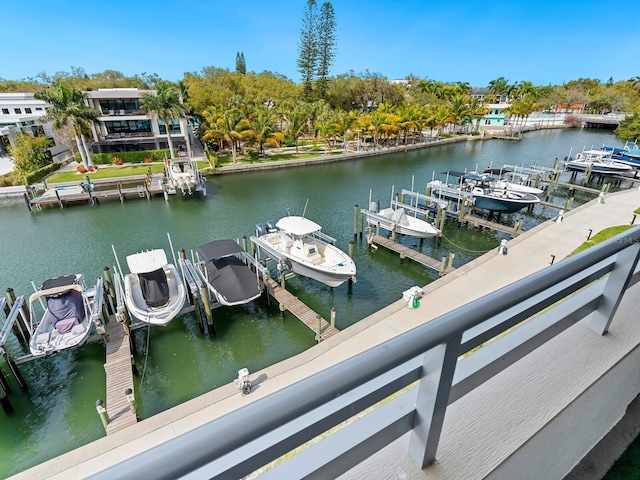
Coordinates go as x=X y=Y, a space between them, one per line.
x=244 y=440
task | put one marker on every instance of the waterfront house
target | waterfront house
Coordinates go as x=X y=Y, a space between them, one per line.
x=124 y=126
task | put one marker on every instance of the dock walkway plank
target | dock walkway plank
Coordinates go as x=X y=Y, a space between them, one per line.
x=298 y=309
x=119 y=378
x=418 y=257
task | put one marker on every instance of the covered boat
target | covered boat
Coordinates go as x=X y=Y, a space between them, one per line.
x=225 y=270
x=66 y=318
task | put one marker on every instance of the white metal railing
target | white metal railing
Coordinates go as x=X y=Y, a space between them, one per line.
x=245 y=440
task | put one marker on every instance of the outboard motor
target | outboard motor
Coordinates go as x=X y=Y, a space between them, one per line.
x=373 y=207
x=271 y=226
x=260 y=229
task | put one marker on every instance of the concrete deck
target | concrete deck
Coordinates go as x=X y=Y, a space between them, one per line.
x=530 y=252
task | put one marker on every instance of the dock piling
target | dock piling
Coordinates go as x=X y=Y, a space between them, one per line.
x=333 y=317
x=355 y=222
x=104 y=416
x=132 y=400
x=318 y=327
x=351 y=245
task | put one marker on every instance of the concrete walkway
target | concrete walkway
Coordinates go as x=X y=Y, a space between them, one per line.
x=530 y=252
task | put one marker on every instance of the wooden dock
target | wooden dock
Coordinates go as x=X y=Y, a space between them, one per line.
x=407 y=252
x=301 y=311
x=481 y=222
x=139 y=187
x=119 y=378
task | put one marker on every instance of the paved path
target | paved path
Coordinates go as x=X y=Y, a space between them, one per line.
x=530 y=252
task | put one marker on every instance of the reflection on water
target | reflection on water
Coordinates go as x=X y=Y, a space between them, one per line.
x=179 y=362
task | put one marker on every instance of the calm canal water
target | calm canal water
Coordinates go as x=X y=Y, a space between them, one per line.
x=58 y=414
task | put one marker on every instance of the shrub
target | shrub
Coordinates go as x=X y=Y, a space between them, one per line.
x=148 y=160
x=116 y=161
x=81 y=169
x=40 y=174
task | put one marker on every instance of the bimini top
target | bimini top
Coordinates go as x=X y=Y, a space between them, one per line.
x=145 y=262
x=218 y=249
x=297 y=225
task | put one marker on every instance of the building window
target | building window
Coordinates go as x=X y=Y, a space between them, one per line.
x=5 y=111
x=17 y=110
x=38 y=108
x=27 y=110
x=174 y=126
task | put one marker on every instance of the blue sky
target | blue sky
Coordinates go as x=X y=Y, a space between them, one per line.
x=470 y=41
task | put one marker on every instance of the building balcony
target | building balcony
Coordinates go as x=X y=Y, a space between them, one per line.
x=123 y=112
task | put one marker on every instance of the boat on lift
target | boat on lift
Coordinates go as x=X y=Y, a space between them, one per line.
x=225 y=270
x=301 y=246
x=153 y=289
x=183 y=174
x=596 y=161
x=395 y=218
x=481 y=193
x=629 y=153
x=63 y=306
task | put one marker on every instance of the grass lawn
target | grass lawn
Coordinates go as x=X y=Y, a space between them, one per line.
x=601 y=236
x=252 y=157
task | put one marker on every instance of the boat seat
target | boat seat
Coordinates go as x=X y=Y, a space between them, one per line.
x=287 y=241
x=312 y=255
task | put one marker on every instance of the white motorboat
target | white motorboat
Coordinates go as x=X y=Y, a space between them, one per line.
x=225 y=269
x=63 y=305
x=397 y=219
x=183 y=175
x=153 y=290
x=502 y=182
x=481 y=193
x=299 y=243
x=597 y=161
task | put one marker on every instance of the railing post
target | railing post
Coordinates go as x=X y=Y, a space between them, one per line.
x=439 y=365
x=614 y=288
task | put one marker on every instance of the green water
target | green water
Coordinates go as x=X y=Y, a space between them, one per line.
x=58 y=414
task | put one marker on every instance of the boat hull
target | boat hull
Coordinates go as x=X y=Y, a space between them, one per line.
x=502 y=205
x=160 y=315
x=417 y=229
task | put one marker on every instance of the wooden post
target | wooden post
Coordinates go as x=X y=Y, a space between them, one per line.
x=265 y=279
x=361 y=225
x=355 y=222
x=104 y=416
x=567 y=204
x=244 y=243
x=204 y=294
x=333 y=317
x=132 y=400
x=393 y=232
x=26 y=200
x=282 y=308
x=443 y=216
x=120 y=191
x=442 y=266
x=318 y=327
x=351 y=245
x=4 y=400
x=58 y=197
x=452 y=255
x=14 y=370
x=282 y=277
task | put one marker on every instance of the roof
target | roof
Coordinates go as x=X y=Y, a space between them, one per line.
x=297 y=225
x=145 y=262
x=218 y=249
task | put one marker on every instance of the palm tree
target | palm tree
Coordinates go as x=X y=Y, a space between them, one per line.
x=165 y=103
x=67 y=106
x=262 y=125
x=296 y=123
x=477 y=111
x=499 y=86
x=229 y=126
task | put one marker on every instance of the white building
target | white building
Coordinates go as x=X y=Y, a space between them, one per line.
x=124 y=126
x=21 y=112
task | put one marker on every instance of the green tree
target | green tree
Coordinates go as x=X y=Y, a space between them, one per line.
x=326 y=46
x=30 y=153
x=166 y=104
x=629 y=128
x=228 y=125
x=263 y=129
x=308 y=48
x=67 y=106
x=241 y=66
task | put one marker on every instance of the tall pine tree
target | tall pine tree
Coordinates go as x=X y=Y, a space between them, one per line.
x=308 y=48
x=241 y=66
x=326 y=46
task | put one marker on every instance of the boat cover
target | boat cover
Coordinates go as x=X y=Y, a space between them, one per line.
x=58 y=282
x=69 y=305
x=155 y=288
x=146 y=262
x=232 y=279
x=219 y=249
x=297 y=225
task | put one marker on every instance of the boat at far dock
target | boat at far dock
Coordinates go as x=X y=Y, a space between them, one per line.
x=596 y=161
